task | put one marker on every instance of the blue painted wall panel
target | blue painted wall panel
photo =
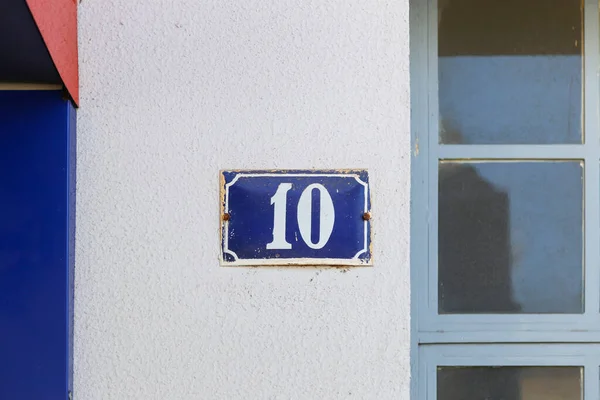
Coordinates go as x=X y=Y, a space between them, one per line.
x=37 y=133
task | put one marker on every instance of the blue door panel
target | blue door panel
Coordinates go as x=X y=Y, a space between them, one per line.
x=37 y=133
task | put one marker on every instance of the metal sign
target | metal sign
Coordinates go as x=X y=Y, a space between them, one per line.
x=295 y=218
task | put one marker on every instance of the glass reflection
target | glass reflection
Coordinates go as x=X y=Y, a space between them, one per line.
x=510 y=237
x=510 y=72
x=509 y=383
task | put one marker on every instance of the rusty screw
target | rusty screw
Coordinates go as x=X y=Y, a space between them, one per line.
x=226 y=217
x=366 y=216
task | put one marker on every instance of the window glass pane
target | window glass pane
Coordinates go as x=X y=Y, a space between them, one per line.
x=510 y=72
x=510 y=237
x=509 y=383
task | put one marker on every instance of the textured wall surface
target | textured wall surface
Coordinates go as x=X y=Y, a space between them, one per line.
x=171 y=92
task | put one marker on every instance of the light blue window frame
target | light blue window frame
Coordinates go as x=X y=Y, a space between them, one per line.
x=547 y=335
x=514 y=355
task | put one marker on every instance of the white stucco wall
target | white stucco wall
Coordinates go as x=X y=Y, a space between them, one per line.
x=172 y=92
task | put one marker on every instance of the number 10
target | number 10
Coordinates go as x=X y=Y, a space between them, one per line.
x=326 y=217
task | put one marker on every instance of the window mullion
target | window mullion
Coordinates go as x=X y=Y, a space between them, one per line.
x=592 y=162
x=515 y=152
x=591 y=379
x=433 y=150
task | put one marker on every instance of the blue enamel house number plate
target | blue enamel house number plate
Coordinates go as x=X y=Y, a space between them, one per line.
x=295 y=218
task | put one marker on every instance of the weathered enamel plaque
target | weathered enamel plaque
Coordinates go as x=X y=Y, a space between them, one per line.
x=295 y=217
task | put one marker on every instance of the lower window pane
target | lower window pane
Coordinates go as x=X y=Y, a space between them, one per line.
x=509 y=383
x=510 y=237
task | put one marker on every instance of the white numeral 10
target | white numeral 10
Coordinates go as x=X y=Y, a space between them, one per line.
x=326 y=217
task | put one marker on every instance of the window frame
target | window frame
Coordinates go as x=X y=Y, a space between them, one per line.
x=424 y=206
x=513 y=355
x=551 y=339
